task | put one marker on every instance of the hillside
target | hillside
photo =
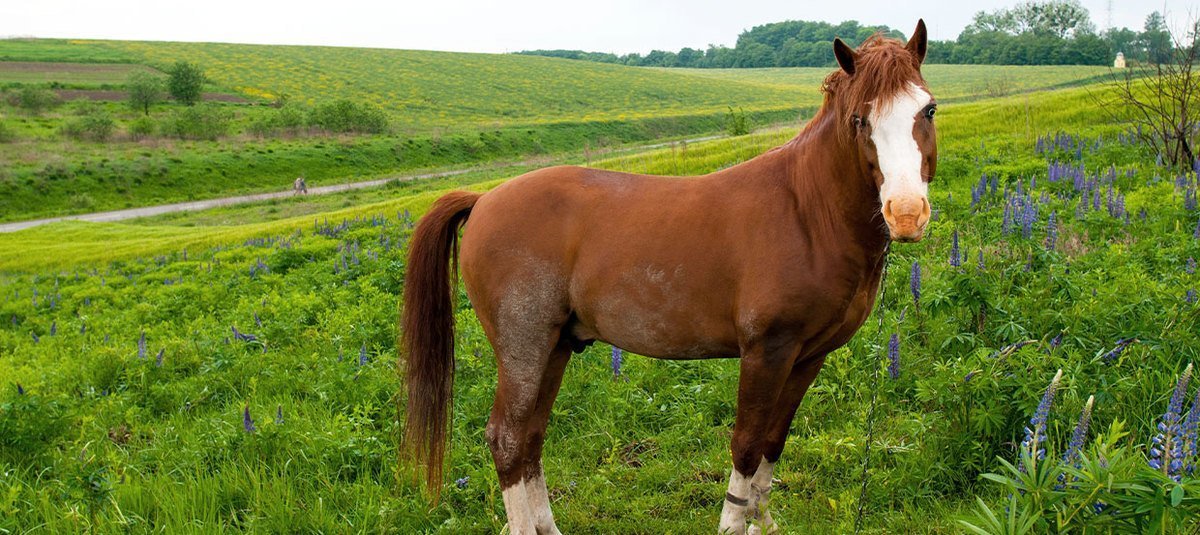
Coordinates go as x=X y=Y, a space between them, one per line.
x=424 y=90
x=129 y=400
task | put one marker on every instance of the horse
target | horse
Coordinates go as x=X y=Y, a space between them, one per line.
x=776 y=261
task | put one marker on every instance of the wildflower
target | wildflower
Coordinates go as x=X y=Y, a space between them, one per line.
x=1079 y=436
x=893 y=355
x=141 y=354
x=245 y=337
x=1115 y=352
x=279 y=415
x=955 y=255
x=247 y=421
x=616 y=361
x=1196 y=234
x=82 y=328
x=1035 y=436
x=20 y=390
x=35 y=337
x=914 y=283
x=54 y=328
x=461 y=482
x=257 y=321
x=970 y=375
x=1189 y=432
x=1190 y=296
x=1191 y=266
x=1166 y=447
x=362 y=355
x=1052 y=231
x=158 y=359
x=981 y=266
x=1056 y=341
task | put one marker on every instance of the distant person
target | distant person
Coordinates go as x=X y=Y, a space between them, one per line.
x=300 y=186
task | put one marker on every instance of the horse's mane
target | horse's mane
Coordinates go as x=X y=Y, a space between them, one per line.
x=883 y=68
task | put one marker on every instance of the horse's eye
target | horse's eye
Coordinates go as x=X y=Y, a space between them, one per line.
x=930 y=110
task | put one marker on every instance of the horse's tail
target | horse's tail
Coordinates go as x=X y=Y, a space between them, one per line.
x=427 y=346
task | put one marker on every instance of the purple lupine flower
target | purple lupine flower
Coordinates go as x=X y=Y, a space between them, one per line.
x=893 y=354
x=1079 y=436
x=1115 y=352
x=20 y=390
x=245 y=337
x=1189 y=432
x=914 y=283
x=1196 y=234
x=955 y=255
x=54 y=328
x=461 y=482
x=362 y=355
x=247 y=421
x=1037 y=434
x=970 y=375
x=1052 y=231
x=35 y=337
x=257 y=321
x=616 y=361
x=141 y=345
x=158 y=359
x=82 y=328
x=1190 y=296
x=1166 y=447
x=279 y=415
x=981 y=266
x=1056 y=341
x=1191 y=266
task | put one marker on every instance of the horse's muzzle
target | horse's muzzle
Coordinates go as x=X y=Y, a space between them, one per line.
x=906 y=217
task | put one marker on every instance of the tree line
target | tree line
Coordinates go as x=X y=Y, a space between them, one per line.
x=1049 y=32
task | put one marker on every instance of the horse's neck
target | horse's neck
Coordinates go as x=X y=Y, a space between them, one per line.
x=832 y=189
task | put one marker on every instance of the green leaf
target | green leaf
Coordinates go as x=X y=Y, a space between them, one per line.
x=1176 y=495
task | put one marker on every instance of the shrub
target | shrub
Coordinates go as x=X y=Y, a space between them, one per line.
x=141 y=128
x=343 y=116
x=35 y=100
x=736 y=123
x=94 y=125
x=207 y=122
x=286 y=119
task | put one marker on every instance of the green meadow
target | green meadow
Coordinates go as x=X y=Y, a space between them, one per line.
x=131 y=399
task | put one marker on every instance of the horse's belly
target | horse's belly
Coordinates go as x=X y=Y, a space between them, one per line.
x=655 y=330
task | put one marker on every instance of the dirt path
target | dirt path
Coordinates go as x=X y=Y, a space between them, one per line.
x=146 y=211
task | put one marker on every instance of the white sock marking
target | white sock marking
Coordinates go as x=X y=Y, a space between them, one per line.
x=539 y=504
x=733 y=516
x=516 y=507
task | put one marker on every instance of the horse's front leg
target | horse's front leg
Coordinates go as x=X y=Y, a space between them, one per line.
x=801 y=377
x=765 y=369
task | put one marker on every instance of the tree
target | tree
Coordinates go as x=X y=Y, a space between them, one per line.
x=1155 y=39
x=186 y=82
x=145 y=90
x=1157 y=100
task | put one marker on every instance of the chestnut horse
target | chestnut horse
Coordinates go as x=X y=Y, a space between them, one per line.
x=776 y=261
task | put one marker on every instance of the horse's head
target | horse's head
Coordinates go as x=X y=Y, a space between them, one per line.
x=886 y=108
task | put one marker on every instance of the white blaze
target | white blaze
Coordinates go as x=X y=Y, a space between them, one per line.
x=899 y=156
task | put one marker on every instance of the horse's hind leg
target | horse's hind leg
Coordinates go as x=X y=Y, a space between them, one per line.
x=535 y=481
x=529 y=362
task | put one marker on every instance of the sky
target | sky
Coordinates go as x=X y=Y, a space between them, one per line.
x=619 y=26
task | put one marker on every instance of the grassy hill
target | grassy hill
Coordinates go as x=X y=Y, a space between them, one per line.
x=104 y=436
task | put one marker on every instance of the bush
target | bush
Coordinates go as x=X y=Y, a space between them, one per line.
x=286 y=119
x=736 y=123
x=343 y=116
x=35 y=100
x=145 y=90
x=142 y=128
x=94 y=125
x=207 y=122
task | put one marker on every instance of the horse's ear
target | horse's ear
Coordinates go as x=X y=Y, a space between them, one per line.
x=919 y=42
x=846 y=56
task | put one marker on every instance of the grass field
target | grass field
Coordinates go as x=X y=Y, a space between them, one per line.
x=74 y=74
x=950 y=82
x=104 y=436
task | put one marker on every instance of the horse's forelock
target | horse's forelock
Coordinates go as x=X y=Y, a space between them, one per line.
x=883 y=69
